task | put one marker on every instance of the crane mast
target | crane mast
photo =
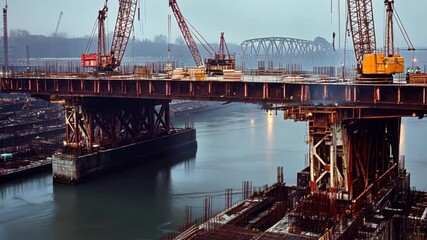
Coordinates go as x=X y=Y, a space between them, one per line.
x=102 y=15
x=123 y=28
x=186 y=33
x=389 y=38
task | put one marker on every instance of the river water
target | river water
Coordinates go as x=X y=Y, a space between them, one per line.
x=236 y=142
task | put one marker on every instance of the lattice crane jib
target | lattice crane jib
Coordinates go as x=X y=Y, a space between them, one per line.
x=362 y=28
x=189 y=40
x=122 y=30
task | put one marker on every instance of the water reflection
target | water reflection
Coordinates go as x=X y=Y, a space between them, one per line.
x=402 y=143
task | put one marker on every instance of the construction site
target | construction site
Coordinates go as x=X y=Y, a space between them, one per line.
x=356 y=185
x=292 y=212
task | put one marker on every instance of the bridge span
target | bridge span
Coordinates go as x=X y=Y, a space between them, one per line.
x=354 y=129
x=288 y=91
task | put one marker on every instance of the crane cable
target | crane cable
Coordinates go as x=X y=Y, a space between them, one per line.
x=403 y=31
x=346 y=35
x=197 y=35
x=89 y=43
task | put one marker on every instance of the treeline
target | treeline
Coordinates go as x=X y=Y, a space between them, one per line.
x=22 y=42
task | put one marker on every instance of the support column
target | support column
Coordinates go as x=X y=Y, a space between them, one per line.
x=111 y=122
x=347 y=156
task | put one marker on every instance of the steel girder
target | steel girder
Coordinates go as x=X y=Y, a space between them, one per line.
x=112 y=122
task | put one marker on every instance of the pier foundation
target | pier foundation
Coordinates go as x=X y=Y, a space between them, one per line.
x=104 y=133
x=74 y=168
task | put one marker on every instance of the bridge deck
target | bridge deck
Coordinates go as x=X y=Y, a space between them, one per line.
x=262 y=89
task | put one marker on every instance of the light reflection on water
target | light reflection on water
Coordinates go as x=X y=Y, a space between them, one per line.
x=235 y=143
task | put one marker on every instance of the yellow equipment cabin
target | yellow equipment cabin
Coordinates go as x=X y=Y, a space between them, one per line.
x=378 y=63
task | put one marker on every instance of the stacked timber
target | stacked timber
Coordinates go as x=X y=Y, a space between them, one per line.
x=142 y=72
x=231 y=74
x=178 y=74
x=196 y=73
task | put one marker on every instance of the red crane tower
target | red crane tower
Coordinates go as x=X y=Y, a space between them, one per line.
x=108 y=62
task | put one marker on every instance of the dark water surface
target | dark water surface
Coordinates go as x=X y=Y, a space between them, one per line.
x=236 y=142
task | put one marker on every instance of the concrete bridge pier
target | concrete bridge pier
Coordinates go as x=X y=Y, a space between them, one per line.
x=103 y=133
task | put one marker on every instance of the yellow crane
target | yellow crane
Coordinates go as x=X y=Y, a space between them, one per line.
x=372 y=65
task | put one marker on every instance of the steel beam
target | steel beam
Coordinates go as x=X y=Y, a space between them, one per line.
x=405 y=100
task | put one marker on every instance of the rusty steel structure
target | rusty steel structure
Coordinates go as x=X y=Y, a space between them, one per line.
x=345 y=157
x=90 y=123
x=350 y=99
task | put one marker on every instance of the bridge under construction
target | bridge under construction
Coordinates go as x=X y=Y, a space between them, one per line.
x=355 y=169
x=356 y=185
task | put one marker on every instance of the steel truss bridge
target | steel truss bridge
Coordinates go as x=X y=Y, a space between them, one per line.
x=288 y=50
x=354 y=129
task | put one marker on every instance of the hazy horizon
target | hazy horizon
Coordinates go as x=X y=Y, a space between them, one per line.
x=304 y=19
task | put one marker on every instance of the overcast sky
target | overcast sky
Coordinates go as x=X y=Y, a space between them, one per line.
x=239 y=19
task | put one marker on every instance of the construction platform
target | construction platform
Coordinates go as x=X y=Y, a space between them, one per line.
x=291 y=212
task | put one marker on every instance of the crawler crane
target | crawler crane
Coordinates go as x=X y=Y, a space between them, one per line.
x=371 y=65
x=102 y=61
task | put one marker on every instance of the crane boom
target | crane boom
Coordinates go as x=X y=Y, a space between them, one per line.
x=57 y=24
x=122 y=31
x=186 y=33
x=362 y=28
